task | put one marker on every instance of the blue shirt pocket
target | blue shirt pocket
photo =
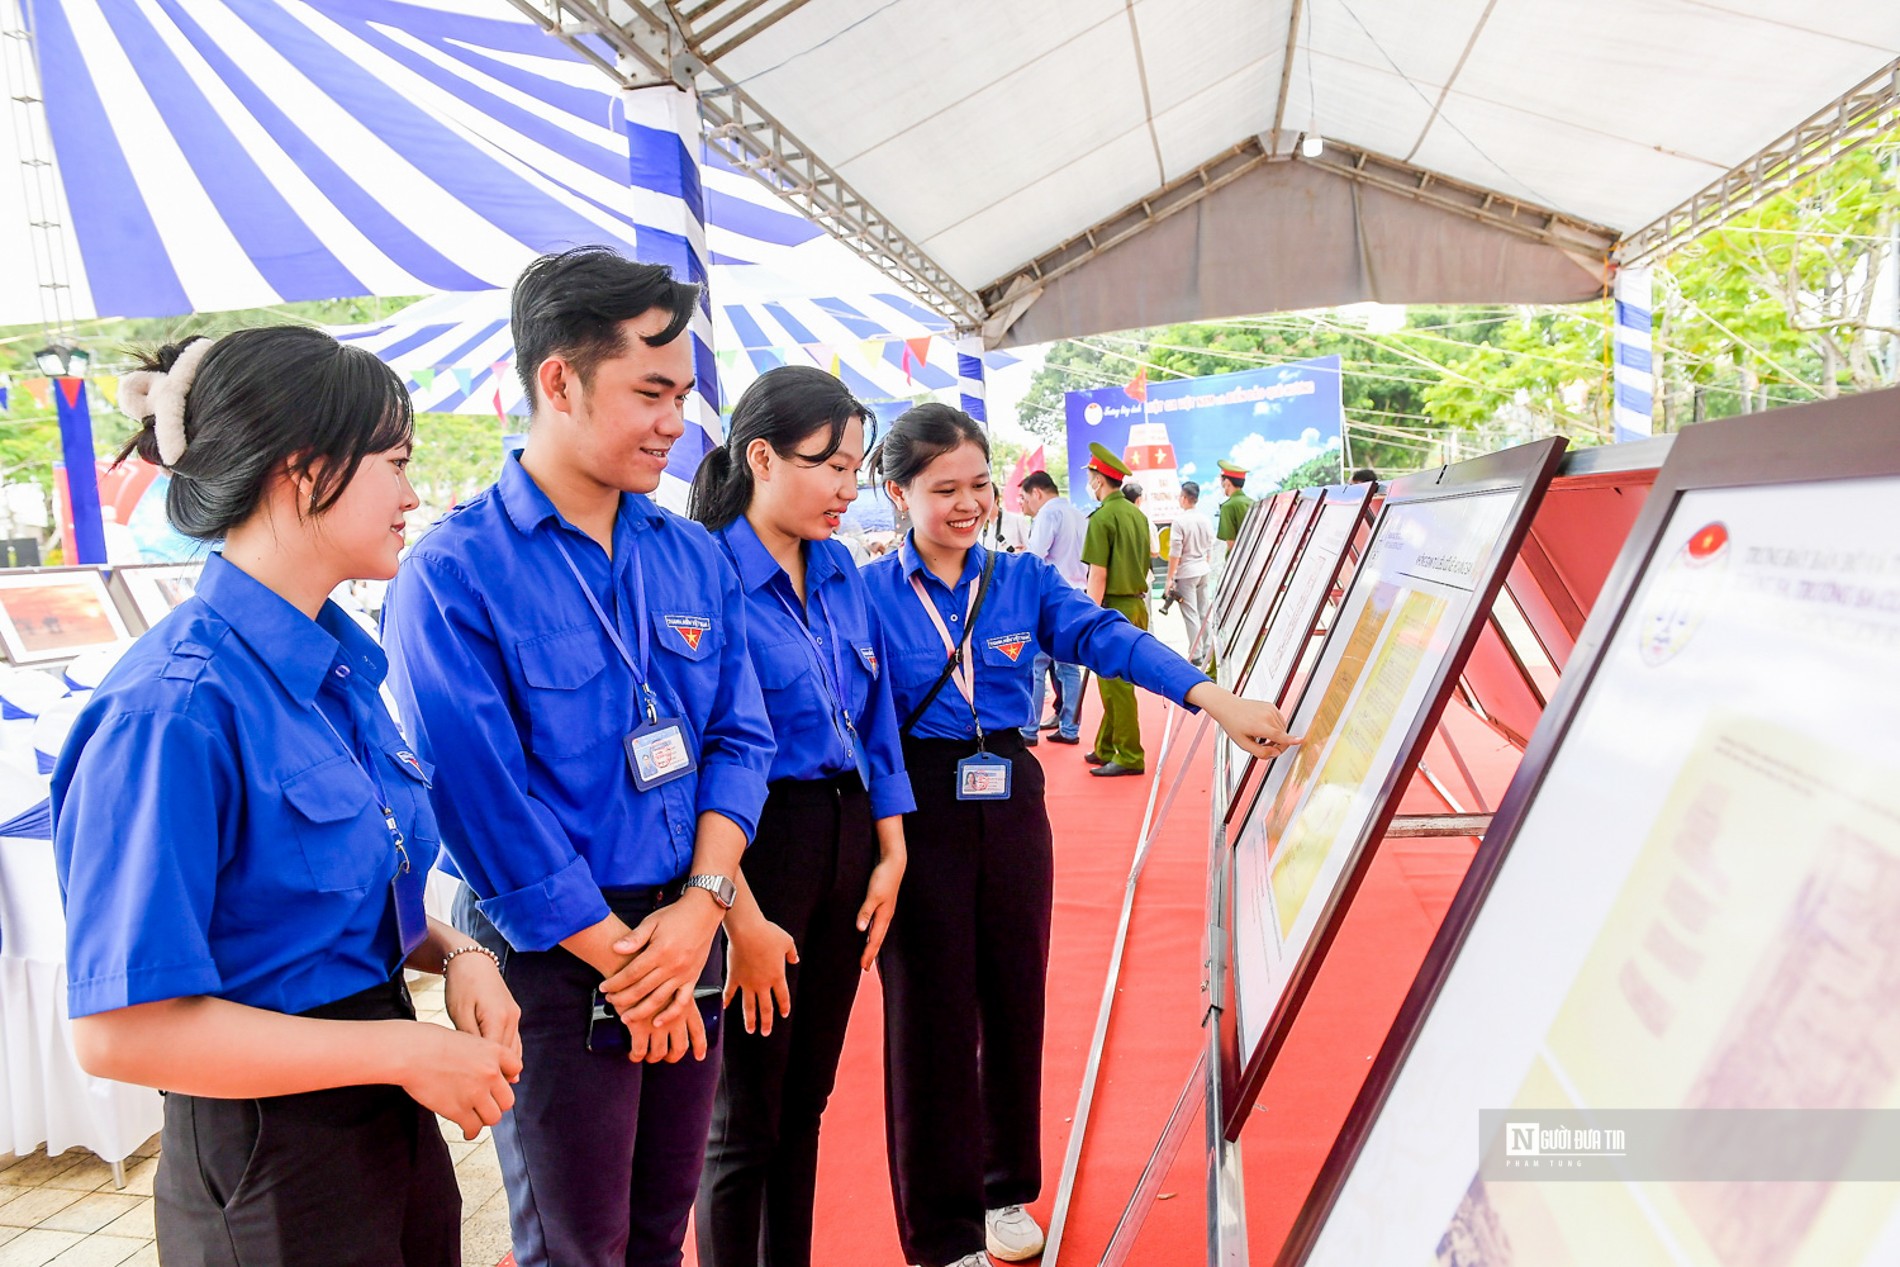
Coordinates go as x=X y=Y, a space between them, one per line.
x=565 y=720
x=338 y=830
x=691 y=635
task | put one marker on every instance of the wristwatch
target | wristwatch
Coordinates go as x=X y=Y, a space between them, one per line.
x=723 y=890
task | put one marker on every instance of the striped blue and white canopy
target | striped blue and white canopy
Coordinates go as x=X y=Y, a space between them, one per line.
x=456 y=354
x=217 y=154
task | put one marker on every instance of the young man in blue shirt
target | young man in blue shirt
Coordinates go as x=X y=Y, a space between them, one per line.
x=573 y=660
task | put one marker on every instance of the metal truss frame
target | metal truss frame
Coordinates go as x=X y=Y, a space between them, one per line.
x=663 y=47
x=1868 y=110
x=1501 y=211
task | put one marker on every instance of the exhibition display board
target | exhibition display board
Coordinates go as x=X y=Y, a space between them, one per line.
x=1269 y=581
x=1259 y=533
x=1687 y=898
x=50 y=614
x=1432 y=569
x=152 y=590
x=1268 y=667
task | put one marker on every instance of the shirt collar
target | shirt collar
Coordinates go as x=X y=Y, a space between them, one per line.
x=757 y=567
x=914 y=564
x=528 y=507
x=1114 y=496
x=298 y=650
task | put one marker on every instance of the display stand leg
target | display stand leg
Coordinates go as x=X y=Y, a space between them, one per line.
x=1150 y=826
x=1147 y=1189
x=1226 y=1185
x=118 y=1175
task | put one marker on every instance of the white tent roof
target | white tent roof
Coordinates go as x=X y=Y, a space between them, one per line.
x=1069 y=166
x=1010 y=126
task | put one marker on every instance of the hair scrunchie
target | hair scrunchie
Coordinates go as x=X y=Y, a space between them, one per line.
x=160 y=395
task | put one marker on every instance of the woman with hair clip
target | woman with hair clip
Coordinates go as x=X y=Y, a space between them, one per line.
x=242 y=838
x=965 y=963
x=824 y=870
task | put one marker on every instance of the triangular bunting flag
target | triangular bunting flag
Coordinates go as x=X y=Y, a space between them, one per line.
x=919 y=350
x=499 y=411
x=425 y=379
x=873 y=350
x=727 y=357
x=108 y=385
x=70 y=387
x=821 y=353
x=832 y=369
x=41 y=390
x=464 y=379
x=499 y=367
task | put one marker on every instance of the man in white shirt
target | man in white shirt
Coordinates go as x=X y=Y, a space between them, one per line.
x=1190 y=555
x=1055 y=536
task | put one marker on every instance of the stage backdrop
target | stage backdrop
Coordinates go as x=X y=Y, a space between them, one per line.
x=1271 y=421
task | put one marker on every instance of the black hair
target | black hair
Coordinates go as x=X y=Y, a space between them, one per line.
x=1131 y=490
x=783 y=407
x=921 y=435
x=1365 y=475
x=571 y=305
x=1233 y=481
x=1190 y=490
x=1039 y=480
x=266 y=398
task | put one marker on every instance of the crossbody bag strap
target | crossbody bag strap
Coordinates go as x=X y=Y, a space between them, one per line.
x=950 y=665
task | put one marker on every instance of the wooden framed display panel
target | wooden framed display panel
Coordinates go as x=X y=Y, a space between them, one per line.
x=57 y=613
x=1301 y=843
x=152 y=590
x=1574 y=538
x=1687 y=897
x=1239 y=574
x=1252 y=622
x=1269 y=668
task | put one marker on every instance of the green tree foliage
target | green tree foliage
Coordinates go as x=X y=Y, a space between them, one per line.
x=1318 y=473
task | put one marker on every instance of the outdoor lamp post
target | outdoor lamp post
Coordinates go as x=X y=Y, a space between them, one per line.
x=66 y=366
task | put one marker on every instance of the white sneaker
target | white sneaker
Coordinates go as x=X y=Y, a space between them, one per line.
x=970 y=1260
x=1012 y=1234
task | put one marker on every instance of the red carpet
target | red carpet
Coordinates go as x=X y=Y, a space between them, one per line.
x=1156 y=1035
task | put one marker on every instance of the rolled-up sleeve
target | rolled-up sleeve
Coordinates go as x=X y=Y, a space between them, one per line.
x=1078 y=632
x=141 y=812
x=736 y=751
x=451 y=687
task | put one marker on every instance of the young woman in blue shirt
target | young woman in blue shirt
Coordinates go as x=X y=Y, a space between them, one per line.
x=824 y=869
x=242 y=836
x=965 y=962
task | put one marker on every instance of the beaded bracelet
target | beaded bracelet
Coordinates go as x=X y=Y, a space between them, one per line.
x=463 y=950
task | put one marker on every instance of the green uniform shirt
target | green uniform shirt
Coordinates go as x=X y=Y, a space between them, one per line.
x=1117 y=540
x=1233 y=513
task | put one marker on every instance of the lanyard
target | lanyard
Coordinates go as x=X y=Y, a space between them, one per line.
x=376 y=780
x=831 y=674
x=963 y=673
x=637 y=668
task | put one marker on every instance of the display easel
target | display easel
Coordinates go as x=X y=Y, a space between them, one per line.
x=1650 y=612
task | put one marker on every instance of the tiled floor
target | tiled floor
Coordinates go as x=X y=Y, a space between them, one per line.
x=65 y=1211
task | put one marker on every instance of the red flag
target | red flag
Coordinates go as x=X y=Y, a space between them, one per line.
x=1034 y=460
x=1139 y=387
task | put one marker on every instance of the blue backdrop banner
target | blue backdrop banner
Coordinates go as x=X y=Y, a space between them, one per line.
x=1270 y=421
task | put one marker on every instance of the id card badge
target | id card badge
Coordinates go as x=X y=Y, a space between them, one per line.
x=657 y=753
x=983 y=777
x=406 y=888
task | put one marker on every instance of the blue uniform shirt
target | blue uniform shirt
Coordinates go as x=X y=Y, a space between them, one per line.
x=214 y=834
x=796 y=675
x=1030 y=608
x=508 y=682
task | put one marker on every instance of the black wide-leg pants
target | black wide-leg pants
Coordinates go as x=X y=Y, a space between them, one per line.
x=808 y=866
x=964 y=968
x=351 y=1176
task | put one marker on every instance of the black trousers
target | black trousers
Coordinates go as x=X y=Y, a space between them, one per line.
x=600 y=1156
x=349 y=1175
x=964 y=968
x=808 y=867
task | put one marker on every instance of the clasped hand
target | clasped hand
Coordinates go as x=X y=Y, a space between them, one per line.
x=653 y=992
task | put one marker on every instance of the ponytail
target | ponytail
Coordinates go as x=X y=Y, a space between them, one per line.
x=783 y=407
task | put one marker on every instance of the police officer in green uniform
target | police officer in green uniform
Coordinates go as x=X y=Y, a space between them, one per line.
x=1116 y=550
x=1233 y=511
